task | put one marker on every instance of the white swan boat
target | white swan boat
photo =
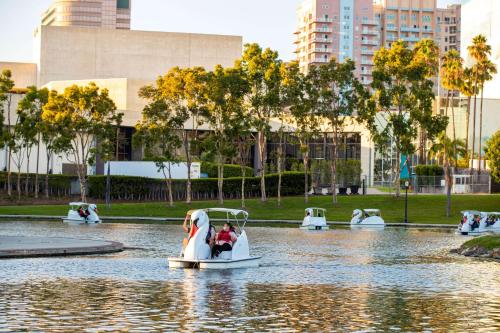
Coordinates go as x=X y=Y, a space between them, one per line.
x=477 y=223
x=197 y=253
x=367 y=217
x=315 y=219
x=82 y=213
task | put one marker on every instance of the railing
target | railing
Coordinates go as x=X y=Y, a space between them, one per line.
x=322 y=50
x=369 y=42
x=371 y=22
x=370 y=52
x=369 y=32
x=323 y=29
x=323 y=20
x=322 y=60
x=322 y=40
x=410 y=29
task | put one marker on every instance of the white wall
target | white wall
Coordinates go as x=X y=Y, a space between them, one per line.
x=150 y=170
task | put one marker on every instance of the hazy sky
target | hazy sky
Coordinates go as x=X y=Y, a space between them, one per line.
x=268 y=22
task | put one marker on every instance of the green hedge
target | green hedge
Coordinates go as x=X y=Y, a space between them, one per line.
x=59 y=185
x=429 y=170
x=230 y=170
x=138 y=188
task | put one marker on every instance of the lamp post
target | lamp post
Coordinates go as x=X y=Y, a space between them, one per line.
x=407 y=184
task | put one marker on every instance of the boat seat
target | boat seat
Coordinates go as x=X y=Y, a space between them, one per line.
x=225 y=255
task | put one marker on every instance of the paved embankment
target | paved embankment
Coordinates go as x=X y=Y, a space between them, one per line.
x=175 y=219
x=25 y=247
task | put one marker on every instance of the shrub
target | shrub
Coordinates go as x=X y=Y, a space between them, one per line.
x=230 y=170
x=138 y=188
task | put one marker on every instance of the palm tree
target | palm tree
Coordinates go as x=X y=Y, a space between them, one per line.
x=440 y=151
x=467 y=88
x=486 y=70
x=451 y=79
x=479 y=51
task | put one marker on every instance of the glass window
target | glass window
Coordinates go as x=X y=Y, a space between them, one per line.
x=124 y=4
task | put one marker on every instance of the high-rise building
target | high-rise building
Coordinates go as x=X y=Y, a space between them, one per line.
x=448 y=28
x=408 y=20
x=114 y=14
x=337 y=28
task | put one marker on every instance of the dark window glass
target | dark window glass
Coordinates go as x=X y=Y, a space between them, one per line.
x=124 y=4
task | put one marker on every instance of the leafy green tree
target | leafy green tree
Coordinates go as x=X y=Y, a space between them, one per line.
x=493 y=155
x=262 y=71
x=339 y=95
x=84 y=115
x=183 y=92
x=30 y=109
x=225 y=92
x=402 y=98
x=442 y=150
x=301 y=93
x=6 y=94
x=159 y=132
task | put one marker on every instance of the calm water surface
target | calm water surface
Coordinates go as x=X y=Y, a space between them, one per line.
x=341 y=280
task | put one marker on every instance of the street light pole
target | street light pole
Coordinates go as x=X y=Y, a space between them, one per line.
x=407 y=184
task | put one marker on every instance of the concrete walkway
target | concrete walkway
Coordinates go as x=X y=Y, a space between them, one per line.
x=176 y=219
x=24 y=247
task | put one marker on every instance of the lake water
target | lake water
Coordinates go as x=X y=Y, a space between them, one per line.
x=341 y=280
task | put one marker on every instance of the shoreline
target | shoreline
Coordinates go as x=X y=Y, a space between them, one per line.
x=250 y=223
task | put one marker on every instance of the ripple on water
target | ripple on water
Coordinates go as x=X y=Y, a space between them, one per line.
x=342 y=280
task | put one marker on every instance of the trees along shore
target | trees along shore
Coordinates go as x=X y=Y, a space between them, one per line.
x=238 y=105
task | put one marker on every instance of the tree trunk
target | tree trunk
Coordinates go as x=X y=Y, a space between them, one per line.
x=47 y=177
x=19 y=183
x=479 y=144
x=397 y=180
x=188 y=162
x=108 y=185
x=37 y=187
x=473 y=132
x=449 y=184
x=467 y=125
x=243 y=176
x=263 y=158
x=169 y=185
x=280 y=154
x=306 y=177
x=454 y=129
x=220 y=180
x=26 y=184
x=333 y=170
x=9 y=174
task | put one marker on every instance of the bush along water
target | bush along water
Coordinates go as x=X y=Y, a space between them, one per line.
x=138 y=188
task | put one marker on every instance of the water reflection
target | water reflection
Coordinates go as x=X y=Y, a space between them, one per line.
x=109 y=305
x=341 y=280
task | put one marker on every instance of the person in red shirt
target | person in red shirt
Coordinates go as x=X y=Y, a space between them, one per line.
x=224 y=240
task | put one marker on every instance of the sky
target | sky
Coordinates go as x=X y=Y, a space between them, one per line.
x=270 y=23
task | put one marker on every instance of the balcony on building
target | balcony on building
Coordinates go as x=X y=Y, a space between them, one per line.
x=410 y=38
x=321 y=60
x=322 y=20
x=368 y=62
x=322 y=50
x=368 y=52
x=410 y=29
x=369 y=42
x=370 y=32
x=322 y=29
x=322 y=40
x=371 y=22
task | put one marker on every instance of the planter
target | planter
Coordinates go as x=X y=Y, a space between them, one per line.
x=354 y=189
x=342 y=190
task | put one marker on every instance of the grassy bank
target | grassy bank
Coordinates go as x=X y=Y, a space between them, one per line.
x=487 y=242
x=422 y=208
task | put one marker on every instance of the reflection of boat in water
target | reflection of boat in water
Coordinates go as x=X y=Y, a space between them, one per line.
x=82 y=213
x=367 y=217
x=197 y=253
x=476 y=223
x=315 y=219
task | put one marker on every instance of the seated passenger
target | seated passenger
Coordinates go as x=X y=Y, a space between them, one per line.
x=224 y=240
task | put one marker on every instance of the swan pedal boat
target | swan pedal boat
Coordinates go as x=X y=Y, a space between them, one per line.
x=367 y=217
x=315 y=219
x=197 y=253
x=475 y=223
x=74 y=216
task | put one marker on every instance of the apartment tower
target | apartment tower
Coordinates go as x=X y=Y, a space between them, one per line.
x=113 y=14
x=337 y=28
